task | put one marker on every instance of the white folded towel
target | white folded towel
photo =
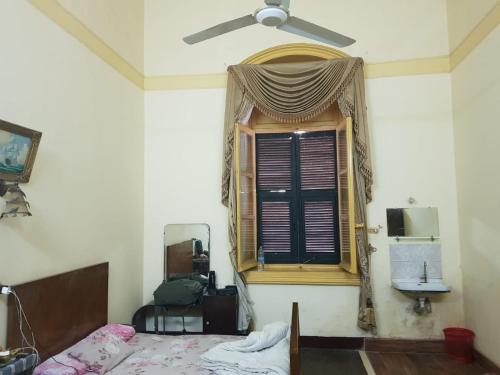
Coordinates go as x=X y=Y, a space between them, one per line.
x=270 y=335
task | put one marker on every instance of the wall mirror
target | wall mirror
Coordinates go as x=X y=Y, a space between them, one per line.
x=413 y=222
x=186 y=250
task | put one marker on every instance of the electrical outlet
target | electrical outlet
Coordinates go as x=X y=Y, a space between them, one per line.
x=6 y=289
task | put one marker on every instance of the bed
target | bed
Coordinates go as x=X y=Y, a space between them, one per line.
x=64 y=309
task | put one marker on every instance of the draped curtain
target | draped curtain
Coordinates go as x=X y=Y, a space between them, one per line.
x=297 y=92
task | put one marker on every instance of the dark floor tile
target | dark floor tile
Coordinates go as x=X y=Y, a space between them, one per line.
x=331 y=361
x=421 y=364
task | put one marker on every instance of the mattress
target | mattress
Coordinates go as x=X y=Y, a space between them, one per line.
x=120 y=350
x=160 y=355
x=151 y=354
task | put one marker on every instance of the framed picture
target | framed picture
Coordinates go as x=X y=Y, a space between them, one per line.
x=18 y=147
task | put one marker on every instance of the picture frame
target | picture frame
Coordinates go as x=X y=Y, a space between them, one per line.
x=18 y=148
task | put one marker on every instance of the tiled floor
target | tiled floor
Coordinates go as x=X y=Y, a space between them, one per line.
x=421 y=364
x=331 y=362
x=350 y=362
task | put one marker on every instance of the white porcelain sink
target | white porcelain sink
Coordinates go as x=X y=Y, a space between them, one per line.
x=415 y=286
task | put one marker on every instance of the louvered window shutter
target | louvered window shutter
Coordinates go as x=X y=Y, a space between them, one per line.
x=276 y=226
x=319 y=224
x=317 y=184
x=274 y=183
x=274 y=163
x=246 y=198
x=346 y=197
x=317 y=163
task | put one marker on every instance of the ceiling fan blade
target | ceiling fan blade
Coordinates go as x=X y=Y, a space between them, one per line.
x=300 y=27
x=220 y=29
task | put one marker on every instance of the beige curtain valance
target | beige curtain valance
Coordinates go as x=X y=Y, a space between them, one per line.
x=297 y=92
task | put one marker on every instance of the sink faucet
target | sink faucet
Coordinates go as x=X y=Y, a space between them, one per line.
x=425 y=272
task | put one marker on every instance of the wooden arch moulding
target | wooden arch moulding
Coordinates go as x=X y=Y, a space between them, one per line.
x=293 y=53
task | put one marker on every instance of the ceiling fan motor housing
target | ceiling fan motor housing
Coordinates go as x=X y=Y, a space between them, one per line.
x=271 y=16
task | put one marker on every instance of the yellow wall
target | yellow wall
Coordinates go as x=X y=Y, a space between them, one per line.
x=476 y=99
x=412 y=146
x=86 y=190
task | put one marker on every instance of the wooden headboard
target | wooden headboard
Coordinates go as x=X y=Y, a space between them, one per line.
x=61 y=309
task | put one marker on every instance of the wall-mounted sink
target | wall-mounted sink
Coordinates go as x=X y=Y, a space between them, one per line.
x=414 y=286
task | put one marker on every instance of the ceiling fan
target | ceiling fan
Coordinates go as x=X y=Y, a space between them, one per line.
x=274 y=14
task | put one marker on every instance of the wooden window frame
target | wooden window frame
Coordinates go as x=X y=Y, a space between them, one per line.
x=243 y=261
x=346 y=273
x=348 y=256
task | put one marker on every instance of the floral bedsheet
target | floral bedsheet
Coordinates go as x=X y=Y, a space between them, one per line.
x=161 y=355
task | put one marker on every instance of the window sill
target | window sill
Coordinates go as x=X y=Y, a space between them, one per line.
x=289 y=274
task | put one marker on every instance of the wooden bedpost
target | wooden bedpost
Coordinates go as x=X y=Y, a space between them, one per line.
x=295 y=341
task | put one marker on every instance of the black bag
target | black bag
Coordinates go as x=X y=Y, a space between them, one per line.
x=180 y=292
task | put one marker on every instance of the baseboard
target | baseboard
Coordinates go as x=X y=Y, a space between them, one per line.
x=353 y=343
x=404 y=346
x=374 y=344
x=486 y=363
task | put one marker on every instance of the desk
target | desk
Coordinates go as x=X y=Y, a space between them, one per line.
x=218 y=312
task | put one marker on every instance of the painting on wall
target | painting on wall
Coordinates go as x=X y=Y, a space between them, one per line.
x=18 y=147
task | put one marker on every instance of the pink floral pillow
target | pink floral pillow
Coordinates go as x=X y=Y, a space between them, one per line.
x=119 y=330
x=101 y=352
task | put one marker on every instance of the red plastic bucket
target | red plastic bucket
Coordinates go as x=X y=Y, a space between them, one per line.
x=459 y=344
